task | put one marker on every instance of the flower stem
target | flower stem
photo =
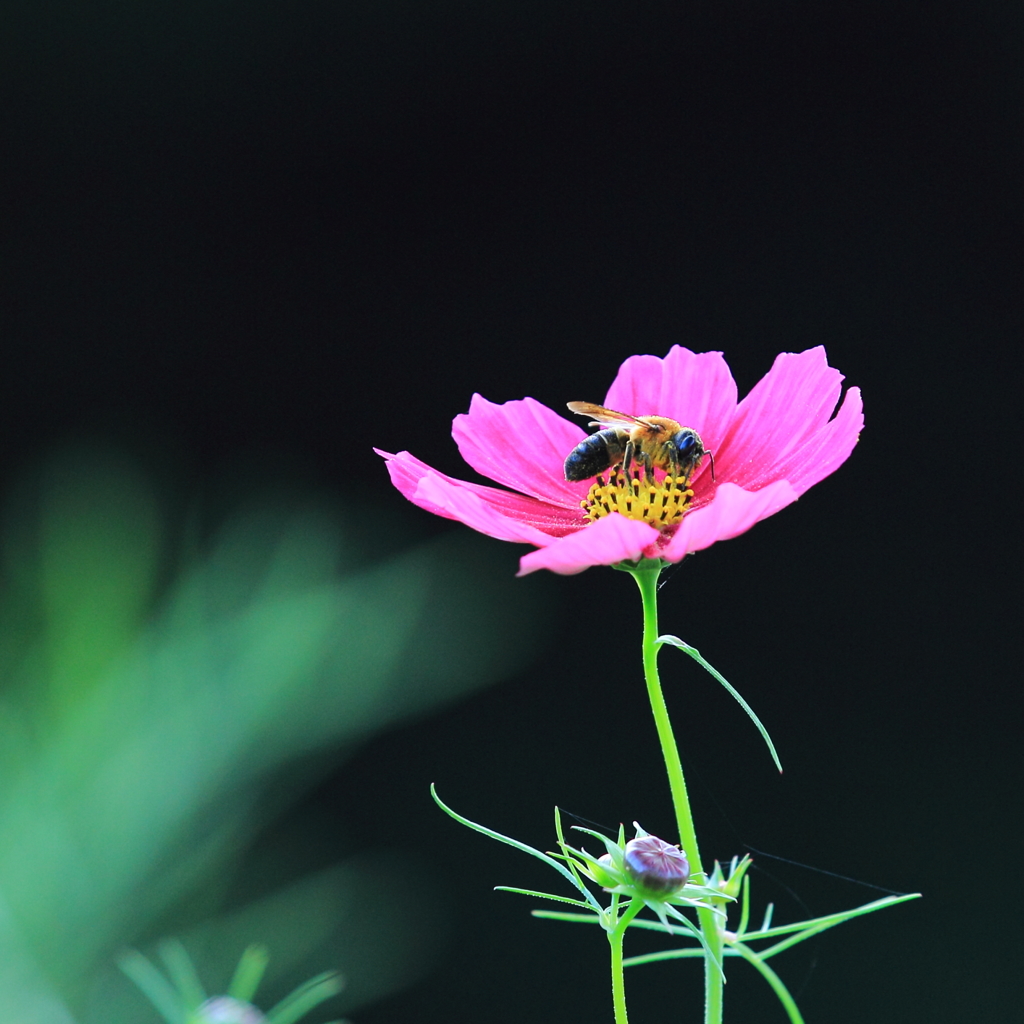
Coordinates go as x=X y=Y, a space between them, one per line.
x=615 y=937
x=646 y=575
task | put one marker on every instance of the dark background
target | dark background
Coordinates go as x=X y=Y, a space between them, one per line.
x=290 y=232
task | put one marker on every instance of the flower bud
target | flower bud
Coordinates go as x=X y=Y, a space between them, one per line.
x=656 y=867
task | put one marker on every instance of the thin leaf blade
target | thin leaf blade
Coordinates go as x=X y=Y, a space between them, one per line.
x=674 y=641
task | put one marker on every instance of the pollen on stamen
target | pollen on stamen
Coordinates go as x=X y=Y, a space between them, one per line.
x=662 y=503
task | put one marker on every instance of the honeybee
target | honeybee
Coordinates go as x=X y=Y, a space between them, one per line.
x=648 y=441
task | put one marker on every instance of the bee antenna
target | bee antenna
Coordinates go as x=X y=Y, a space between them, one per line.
x=711 y=456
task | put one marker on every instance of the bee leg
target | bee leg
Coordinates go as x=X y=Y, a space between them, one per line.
x=627 y=459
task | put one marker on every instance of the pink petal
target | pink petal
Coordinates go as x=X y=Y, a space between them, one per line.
x=495 y=512
x=734 y=511
x=695 y=389
x=611 y=539
x=829 y=448
x=782 y=429
x=523 y=445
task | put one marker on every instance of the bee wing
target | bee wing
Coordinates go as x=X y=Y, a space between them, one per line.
x=600 y=415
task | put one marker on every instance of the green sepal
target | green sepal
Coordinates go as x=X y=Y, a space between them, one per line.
x=674 y=641
x=732 y=884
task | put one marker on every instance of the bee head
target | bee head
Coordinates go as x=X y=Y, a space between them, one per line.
x=691 y=449
x=687 y=442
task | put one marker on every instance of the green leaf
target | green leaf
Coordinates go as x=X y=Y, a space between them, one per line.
x=806 y=929
x=248 y=973
x=572 y=865
x=543 y=896
x=156 y=988
x=745 y=906
x=561 y=915
x=183 y=974
x=308 y=995
x=674 y=641
x=561 y=869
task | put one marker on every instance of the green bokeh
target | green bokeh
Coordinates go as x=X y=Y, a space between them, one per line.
x=159 y=680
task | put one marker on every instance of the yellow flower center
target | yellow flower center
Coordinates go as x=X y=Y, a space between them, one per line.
x=661 y=502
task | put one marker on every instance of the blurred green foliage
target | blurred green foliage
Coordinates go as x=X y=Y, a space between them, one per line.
x=157 y=676
x=180 y=996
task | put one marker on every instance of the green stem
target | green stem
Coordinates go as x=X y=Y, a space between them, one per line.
x=646 y=575
x=615 y=937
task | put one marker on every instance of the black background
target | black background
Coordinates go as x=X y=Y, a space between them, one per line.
x=296 y=231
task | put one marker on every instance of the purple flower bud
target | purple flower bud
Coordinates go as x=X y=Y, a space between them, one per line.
x=656 y=867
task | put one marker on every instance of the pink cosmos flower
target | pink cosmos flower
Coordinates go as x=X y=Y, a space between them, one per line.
x=768 y=449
